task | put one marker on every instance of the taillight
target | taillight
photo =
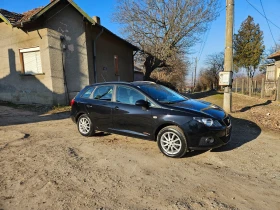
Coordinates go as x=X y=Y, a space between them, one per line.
x=72 y=102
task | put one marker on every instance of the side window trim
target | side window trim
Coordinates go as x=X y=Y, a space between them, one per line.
x=114 y=97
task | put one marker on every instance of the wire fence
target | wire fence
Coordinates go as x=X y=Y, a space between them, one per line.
x=257 y=87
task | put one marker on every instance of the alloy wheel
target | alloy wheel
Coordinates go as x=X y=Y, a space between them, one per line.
x=170 y=143
x=84 y=125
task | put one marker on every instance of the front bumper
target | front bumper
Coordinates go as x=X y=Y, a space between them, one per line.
x=209 y=138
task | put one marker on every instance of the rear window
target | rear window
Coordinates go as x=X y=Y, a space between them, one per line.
x=103 y=93
x=88 y=93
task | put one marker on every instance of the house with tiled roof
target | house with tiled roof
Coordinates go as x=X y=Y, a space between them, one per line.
x=50 y=53
x=272 y=73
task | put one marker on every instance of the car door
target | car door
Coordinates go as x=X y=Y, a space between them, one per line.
x=128 y=118
x=99 y=107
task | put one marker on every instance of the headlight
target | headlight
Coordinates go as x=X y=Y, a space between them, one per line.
x=208 y=121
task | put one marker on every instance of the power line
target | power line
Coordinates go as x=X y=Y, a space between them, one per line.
x=263 y=15
x=207 y=34
x=268 y=24
x=206 y=37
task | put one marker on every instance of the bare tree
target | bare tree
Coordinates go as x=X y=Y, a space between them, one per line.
x=173 y=76
x=204 y=82
x=215 y=64
x=164 y=28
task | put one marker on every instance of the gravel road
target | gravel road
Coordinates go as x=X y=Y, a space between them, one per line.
x=46 y=164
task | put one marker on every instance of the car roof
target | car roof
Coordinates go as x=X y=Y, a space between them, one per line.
x=135 y=83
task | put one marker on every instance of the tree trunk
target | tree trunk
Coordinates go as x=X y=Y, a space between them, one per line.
x=151 y=63
x=148 y=72
x=148 y=67
x=248 y=81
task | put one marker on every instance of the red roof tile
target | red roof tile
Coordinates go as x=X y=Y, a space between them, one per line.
x=11 y=16
x=16 y=17
x=27 y=15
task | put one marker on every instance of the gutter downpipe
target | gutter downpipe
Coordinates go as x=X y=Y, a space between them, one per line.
x=94 y=54
x=133 y=55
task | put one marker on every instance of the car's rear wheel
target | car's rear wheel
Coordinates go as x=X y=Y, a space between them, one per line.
x=172 y=141
x=85 y=125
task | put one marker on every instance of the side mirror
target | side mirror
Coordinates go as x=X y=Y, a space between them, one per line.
x=142 y=103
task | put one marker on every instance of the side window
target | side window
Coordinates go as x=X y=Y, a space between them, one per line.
x=88 y=93
x=103 y=93
x=128 y=95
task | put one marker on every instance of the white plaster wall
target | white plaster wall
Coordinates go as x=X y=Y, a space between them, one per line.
x=69 y=24
x=15 y=87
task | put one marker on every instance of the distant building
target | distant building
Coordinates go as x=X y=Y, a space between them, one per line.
x=272 y=73
x=138 y=73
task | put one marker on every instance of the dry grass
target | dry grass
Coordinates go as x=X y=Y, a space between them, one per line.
x=265 y=113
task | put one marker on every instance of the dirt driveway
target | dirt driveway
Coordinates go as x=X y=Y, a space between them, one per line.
x=46 y=164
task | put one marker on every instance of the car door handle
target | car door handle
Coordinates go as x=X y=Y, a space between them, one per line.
x=89 y=106
x=116 y=108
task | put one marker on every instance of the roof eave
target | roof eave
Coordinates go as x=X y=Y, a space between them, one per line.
x=53 y=3
x=274 y=55
x=2 y=17
x=128 y=43
x=82 y=12
x=86 y=16
x=44 y=10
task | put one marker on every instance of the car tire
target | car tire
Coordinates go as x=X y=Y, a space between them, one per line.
x=172 y=141
x=85 y=125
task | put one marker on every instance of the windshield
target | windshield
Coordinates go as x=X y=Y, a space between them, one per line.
x=162 y=94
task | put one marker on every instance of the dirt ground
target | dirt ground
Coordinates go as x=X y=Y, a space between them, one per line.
x=46 y=164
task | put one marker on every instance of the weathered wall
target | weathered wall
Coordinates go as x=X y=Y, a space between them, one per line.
x=107 y=46
x=73 y=54
x=277 y=69
x=19 y=88
x=270 y=73
x=67 y=22
x=89 y=44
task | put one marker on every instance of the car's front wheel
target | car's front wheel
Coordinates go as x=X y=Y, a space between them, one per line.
x=172 y=141
x=85 y=125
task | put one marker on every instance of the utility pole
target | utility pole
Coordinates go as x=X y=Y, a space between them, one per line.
x=228 y=53
x=194 y=81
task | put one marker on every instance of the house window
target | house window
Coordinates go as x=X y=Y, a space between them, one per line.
x=30 y=59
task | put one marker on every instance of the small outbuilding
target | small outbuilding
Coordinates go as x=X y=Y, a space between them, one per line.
x=272 y=73
x=273 y=70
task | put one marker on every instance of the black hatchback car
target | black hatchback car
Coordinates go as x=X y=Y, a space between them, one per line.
x=151 y=111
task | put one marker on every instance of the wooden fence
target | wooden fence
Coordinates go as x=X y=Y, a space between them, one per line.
x=259 y=88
